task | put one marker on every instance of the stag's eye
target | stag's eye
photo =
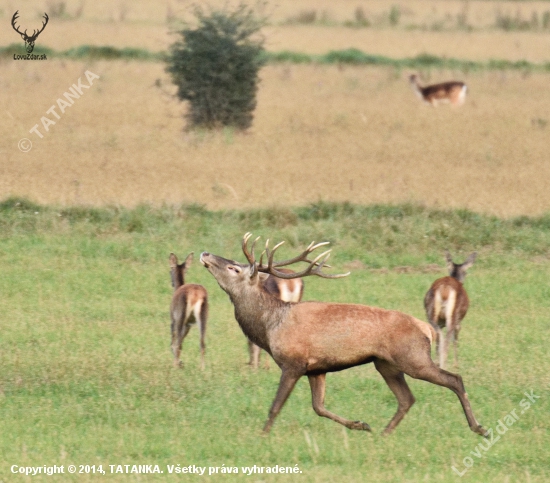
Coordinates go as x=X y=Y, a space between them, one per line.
x=234 y=268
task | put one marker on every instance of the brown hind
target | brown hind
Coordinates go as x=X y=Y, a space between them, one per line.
x=189 y=306
x=446 y=304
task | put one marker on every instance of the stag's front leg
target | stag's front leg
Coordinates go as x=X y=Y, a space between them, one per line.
x=318 y=385
x=286 y=385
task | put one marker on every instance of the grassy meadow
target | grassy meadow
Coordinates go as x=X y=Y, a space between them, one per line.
x=87 y=372
x=337 y=152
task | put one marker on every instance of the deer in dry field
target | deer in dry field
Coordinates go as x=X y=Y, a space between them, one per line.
x=313 y=338
x=452 y=92
x=285 y=290
x=446 y=304
x=189 y=306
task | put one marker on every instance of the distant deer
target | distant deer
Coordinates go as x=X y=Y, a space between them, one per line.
x=446 y=304
x=189 y=306
x=286 y=290
x=313 y=338
x=453 y=92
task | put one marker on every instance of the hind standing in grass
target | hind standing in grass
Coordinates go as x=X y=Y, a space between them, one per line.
x=446 y=304
x=189 y=306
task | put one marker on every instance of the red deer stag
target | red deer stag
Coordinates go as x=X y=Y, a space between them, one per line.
x=313 y=338
x=286 y=290
x=453 y=92
x=189 y=306
x=446 y=304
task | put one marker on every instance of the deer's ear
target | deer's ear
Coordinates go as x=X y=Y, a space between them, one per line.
x=263 y=277
x=449 y=260
x=188 y=261
x=173 y=260
x=469 y=261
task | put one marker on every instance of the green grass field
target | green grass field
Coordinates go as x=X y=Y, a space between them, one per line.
x=87 y=376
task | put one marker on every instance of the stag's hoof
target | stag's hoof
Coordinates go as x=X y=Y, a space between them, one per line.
x=360 y=425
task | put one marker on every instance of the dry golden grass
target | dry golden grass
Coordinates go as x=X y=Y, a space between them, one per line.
x=320 y=132
x=144 y=24
x=478 y=46
x=426 y=13
x=356 y=134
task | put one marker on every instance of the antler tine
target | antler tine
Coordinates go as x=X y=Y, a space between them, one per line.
x=249 y=255
x=264 y=252
x=269 y=253
x=314 y=268
x=322 y=263
x=303 y=256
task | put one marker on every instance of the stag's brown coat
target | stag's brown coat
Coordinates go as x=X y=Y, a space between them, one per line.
x=285 y=290
x=313 y=338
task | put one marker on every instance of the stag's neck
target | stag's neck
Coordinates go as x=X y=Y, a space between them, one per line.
x=258 y=315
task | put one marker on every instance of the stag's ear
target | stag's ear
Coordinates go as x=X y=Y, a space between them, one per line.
x=173 y=260
x=188 y=261
x=263 y=277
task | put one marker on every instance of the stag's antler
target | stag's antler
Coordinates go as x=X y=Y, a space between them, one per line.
x=314 y=268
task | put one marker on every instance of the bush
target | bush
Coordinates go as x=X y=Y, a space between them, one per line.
x=215 y=67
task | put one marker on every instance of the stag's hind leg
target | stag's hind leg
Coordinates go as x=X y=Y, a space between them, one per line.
x=423 y=368
x=395 y=380
x=318 y=384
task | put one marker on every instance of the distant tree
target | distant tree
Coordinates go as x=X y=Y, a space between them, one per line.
x=215 y=67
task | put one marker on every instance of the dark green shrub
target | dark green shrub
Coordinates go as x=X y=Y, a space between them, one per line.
x=215 y=67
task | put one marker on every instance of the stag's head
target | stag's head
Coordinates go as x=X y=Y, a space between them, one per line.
x=29 y=39
x=240 y=278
